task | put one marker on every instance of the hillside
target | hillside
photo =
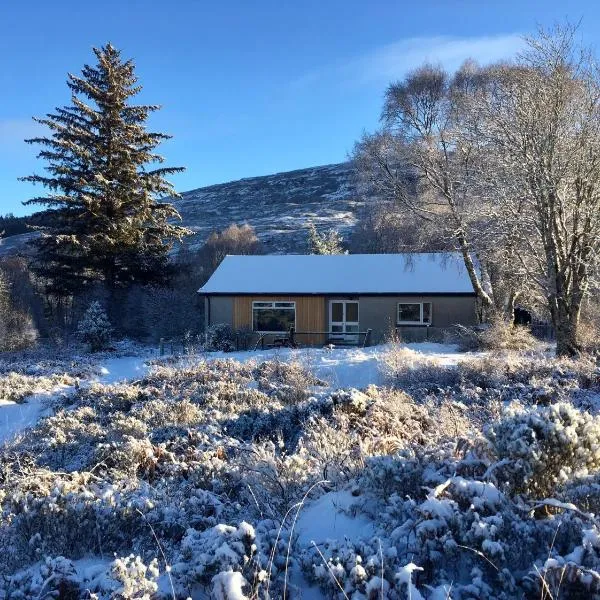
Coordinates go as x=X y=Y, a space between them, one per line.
x=279 y=207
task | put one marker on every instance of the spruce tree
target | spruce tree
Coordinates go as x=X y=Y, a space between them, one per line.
x=330 y=242
x=103 y=180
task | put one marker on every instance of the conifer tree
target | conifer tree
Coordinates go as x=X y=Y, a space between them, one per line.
x=103 y=180
x=330 y=242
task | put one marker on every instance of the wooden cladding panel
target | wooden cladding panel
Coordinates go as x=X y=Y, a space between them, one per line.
x=310 y=314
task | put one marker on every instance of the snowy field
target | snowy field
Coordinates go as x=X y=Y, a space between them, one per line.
x=397 y=471
x=345 y=367
x=340 y=368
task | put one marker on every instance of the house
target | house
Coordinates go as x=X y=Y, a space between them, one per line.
x=338 y=298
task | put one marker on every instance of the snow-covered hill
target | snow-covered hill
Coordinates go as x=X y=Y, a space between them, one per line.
x=278 y=206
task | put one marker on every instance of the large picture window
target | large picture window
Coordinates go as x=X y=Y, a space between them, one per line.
x=276 y=317
x=414 y=313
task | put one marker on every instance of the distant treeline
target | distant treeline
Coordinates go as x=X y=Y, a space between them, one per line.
x=11 y=225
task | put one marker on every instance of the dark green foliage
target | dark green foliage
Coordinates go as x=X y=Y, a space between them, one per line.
x=107 y=224
x=11 y=225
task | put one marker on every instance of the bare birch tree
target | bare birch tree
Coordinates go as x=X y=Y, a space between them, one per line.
x=541 y=130
x=423 y=162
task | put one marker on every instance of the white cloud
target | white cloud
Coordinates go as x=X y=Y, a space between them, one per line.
x=392 y=61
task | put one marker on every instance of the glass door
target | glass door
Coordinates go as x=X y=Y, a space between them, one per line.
x=343 y=320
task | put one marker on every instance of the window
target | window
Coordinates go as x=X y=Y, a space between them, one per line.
x=414 y=313
x=277 y=317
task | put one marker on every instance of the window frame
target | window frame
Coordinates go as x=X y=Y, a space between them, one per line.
x=420 y=321
x=271 y=305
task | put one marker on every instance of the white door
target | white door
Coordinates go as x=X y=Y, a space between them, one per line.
x=343 y=320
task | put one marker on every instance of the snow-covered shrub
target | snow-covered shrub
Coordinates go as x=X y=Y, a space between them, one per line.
x=17 y=387
x=197 y=449
x=230 y=558
x=462 y=529
x=496 y=335
x=94 y=328
x=406 y=369
x=220 y=337
x=45 y=361
x=356 y=566
x=287 y=381
x=409 y=472
x=583 y=493
x=542 y=448
x=573 y=576
x=52 y=578
x=133 y=579
x=17 y=330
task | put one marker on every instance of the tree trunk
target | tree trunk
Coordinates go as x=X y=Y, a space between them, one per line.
x=482 y=295
x=566 y=325
x=509 y=307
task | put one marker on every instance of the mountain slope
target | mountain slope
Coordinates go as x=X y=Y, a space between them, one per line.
x=278 y=206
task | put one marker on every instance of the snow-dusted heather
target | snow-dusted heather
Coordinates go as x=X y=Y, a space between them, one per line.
x=443 y=476
x=32 y=381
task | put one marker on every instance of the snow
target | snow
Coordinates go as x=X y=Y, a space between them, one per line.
x=326 y=518
x=15 y=417
x=228 y=585
x=120 y=369
x=405 y=576
x=349 y=367
x=426 y=273
x=338 y=367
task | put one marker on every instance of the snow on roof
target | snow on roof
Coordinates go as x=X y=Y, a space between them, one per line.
x=340 y=274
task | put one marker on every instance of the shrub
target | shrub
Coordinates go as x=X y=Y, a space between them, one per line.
x=133 y=579
x=16 y=387
x=544 y=447
x=220 y=337
x=287 y=381
x=405 y=368
x=17 y=330
x=94 y=328
x=53 y=578
x=496 y=335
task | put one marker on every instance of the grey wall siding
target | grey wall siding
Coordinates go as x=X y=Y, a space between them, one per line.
x=379 y=314
x=221 y=310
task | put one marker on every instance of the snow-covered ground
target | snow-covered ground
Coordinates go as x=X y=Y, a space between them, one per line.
x=348 y=367
x=338 y=367
x=17 y=416
x=123 y=368
x=224 y=464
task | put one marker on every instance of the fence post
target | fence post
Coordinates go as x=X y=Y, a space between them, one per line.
x=292 y=335
x=367 y=337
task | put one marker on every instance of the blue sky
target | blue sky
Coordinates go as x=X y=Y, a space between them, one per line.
x=248 y=87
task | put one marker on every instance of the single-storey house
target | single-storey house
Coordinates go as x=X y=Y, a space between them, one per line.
x=340 y=297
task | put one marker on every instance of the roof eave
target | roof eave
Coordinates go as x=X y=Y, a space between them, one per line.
x=346 y=293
